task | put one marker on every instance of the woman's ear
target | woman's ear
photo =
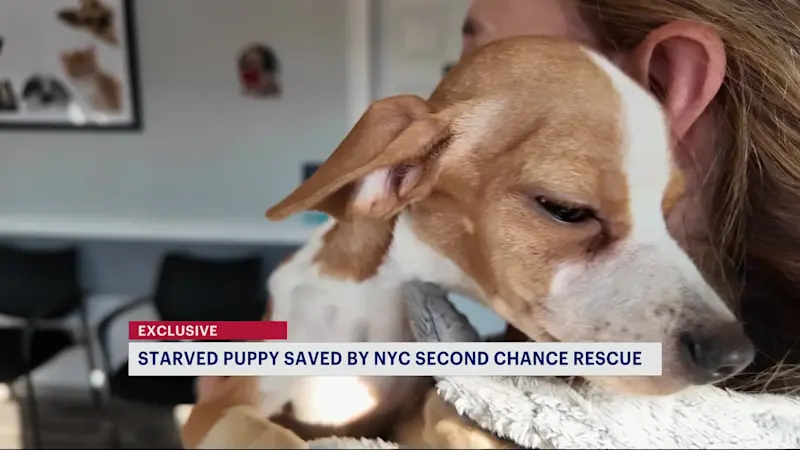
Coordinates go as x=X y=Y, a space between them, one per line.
x=683 y=63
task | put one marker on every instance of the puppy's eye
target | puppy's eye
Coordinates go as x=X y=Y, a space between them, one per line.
x=564 y=213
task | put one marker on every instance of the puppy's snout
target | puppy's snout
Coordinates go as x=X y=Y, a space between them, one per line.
x=718 y=353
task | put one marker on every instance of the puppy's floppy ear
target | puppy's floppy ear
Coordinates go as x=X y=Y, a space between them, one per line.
x=389 y=160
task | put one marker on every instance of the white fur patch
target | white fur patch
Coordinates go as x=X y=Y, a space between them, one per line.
x=646 y=153
x=648 y=268
x=333 y=400
x=321 y=308
x=414 y=259
x=372 y=189
x=648 y=165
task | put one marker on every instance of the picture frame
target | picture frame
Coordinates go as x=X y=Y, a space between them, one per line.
x=73 y=65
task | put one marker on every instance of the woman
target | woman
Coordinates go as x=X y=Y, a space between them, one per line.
x=729 y=78
x=728 y=75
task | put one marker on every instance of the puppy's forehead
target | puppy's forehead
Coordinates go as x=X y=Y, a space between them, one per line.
x=574 y=120
x=537 y=95
x=526 y=72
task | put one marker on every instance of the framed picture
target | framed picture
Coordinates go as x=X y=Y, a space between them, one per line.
x=68 y=65
x=259 y=71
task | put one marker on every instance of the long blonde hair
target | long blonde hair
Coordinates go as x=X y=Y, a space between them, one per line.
x=754 y=190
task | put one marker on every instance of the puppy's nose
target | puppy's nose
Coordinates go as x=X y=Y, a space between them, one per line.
x=716 y=354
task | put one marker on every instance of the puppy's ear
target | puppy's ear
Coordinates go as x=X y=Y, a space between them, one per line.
x=388 y=161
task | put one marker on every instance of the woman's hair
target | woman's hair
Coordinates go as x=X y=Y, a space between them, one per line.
x=754 y=186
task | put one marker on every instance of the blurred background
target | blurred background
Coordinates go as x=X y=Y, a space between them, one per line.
x=148 y=203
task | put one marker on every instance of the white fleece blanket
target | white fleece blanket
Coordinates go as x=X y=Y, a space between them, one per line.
x=540 y=412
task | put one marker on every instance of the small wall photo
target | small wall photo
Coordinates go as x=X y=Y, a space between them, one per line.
x=259 y=71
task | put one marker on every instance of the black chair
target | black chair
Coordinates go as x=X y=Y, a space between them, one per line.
x=38 y=290
x=190 y=289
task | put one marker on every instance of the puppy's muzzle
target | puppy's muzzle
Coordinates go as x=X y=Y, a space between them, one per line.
x=651 y=294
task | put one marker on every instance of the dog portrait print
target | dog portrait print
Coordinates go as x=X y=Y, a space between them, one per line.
x=96 y=86
x=41 y=92
x=92 y=16
x=258 y=71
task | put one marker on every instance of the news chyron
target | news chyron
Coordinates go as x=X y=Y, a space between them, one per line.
x=260 y=348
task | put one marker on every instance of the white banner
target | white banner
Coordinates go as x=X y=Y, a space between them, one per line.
x=393 y=359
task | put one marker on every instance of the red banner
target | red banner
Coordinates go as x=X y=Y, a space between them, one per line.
x=207 y=331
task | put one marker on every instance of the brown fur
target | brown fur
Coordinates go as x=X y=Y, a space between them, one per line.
x=524 y=157
x=520 y=119
x=82 y=65
x=362 y=151
x=521 y=159
x=469 y=165
x=355 y=250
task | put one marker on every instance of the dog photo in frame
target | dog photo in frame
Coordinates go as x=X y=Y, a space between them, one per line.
x=73 y=67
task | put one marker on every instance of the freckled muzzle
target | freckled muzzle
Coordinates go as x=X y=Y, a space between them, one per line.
x=650 y=295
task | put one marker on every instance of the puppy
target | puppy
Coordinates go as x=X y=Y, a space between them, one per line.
x=535 y=179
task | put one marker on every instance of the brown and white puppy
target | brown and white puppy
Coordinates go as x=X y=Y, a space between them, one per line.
x=535 y=179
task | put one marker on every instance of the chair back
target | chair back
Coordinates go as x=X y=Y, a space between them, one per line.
x=42 y=284
x=198 y=289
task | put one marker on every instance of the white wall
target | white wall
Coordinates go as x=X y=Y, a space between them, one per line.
x=205 y=152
